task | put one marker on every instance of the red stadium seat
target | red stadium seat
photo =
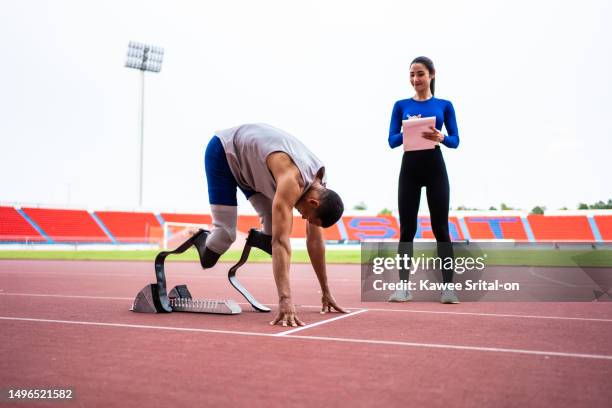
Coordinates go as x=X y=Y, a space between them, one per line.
x=377 y=227
x=561 y=228
x=424 y=229
x=299 y=230
x=15 y=228
x=246 y=222
x=67 y=225
x=496 y=227
x=131 y=227
x=604 y=224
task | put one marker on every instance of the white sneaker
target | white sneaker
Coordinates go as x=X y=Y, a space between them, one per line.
x=449 y=297
x=400 y=296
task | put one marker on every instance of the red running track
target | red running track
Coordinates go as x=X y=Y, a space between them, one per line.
x=67 y=324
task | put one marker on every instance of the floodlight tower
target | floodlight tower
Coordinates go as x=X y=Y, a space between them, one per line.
x=143 y=57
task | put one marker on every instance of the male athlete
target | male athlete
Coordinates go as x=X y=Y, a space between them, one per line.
x=276 y=173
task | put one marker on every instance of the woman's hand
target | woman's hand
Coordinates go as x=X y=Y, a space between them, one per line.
x=434 y=135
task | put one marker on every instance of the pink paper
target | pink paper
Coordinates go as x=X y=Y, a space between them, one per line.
x=413 y=130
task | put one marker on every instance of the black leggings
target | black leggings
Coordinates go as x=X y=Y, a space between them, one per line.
x=424 y=168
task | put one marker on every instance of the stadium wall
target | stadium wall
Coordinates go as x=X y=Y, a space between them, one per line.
x=53 y=226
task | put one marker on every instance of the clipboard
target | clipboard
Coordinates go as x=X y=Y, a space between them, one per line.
x=413 y=130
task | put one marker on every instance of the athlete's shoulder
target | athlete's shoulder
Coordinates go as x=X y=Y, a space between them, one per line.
x=444 y=102
x=401 y=105
x=403 y=102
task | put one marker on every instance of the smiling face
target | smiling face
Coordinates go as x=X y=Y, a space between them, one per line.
x=420 y=77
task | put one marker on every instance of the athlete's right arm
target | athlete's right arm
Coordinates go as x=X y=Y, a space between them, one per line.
x=287 y=193
x=282 y=220
x=395 y=128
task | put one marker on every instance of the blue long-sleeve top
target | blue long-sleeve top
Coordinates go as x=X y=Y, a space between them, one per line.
x=440 y=108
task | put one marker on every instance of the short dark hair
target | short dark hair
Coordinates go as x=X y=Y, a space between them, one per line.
x=330 y=208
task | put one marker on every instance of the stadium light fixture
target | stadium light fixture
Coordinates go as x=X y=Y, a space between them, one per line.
x=143 y=57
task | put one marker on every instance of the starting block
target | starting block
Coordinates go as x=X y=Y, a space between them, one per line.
x=154 y=298
x=180 y=300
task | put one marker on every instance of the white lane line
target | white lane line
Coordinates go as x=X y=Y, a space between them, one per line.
x=67 y=296
x=320 y=338
x=308 y=326
x=373 y=309
x=588 y=319
x=136 y=326
x=592 y=319
x=457 y=347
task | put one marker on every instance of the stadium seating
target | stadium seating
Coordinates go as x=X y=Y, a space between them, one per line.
x=299 y=230
x=424 y=230
x=43 y=225
x=67 y=225
x=492 y=227
x=246 y=222
x=131 y=227
x=15 y=228
x=604 y=226
x=383 y=227
x=560 y=228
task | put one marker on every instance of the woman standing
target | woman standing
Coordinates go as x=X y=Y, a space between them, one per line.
x=424 y=168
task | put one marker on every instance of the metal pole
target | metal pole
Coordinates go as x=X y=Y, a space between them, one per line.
x=142 y=91
x=143 y=57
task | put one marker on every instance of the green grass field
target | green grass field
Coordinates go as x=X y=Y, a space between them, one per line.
x=298 y=256
x=519 y=257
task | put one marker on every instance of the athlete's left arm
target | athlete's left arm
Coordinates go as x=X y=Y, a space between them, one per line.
x=450 y=123
x=315 y=244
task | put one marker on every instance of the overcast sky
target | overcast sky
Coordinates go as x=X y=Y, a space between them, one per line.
x=529 y=80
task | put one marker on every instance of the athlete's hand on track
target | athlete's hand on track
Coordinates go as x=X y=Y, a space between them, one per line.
x=329 y=303
x=286 y=314
x=434 y=135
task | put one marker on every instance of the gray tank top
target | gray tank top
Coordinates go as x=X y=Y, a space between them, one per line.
x=248 y=146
